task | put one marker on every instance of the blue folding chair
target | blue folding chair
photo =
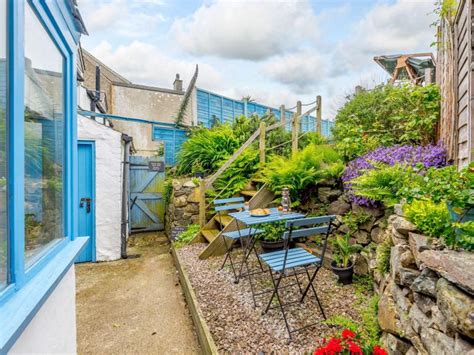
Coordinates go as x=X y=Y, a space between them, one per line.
x=281 y=262
x=234 y=204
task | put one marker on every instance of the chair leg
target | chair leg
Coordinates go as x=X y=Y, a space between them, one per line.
x=228 y=256
x=298 y=281
x=251 y=285
x=310 y=285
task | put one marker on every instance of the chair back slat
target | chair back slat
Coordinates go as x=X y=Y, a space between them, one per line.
x=228 y=200
x=307 y=232
x=234 y=206
x=310 y=221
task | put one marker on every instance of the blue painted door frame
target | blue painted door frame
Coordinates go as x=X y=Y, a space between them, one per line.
x=86 y=193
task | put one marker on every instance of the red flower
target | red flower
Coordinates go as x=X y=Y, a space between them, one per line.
x=334 y=346
x=378 y=351
x=348 y=334
x=354 y=348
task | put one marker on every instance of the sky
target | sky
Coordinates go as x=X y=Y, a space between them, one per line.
x=277 y=52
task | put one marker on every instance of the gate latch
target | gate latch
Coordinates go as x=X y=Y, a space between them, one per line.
x=88 y=201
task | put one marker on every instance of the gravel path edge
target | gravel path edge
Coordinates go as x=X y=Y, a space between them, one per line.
x=204 y=335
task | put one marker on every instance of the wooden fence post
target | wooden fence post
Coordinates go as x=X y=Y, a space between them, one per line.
x=261 y=142
x=202 y=202
x=282 y=114
x=318 y=115
x=295 y=131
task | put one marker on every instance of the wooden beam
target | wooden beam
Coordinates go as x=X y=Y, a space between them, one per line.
x=318 y=115
x=261 y=143
x=295 y=131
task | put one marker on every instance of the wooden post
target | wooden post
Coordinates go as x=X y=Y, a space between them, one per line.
x=318 y=115
x=283 y=115
x=261 y=143
x=295 y=131
x=202 y=203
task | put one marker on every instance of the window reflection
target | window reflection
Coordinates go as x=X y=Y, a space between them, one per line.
x=44 y=123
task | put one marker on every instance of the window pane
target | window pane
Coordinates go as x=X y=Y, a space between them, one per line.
x=44 y=122
x=3 y=160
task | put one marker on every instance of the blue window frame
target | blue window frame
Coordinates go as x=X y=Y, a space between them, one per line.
x=29 y=283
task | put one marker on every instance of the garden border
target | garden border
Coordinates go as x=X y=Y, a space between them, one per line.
x=204 y=335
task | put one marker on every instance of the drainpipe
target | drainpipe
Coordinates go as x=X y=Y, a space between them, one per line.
x=126 y=169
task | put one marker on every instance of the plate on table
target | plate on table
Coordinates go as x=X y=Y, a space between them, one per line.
x=260 y=212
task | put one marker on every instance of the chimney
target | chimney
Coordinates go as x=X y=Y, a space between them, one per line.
x=178 y=84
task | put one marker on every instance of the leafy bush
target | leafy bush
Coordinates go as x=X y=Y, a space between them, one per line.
x=271 y=231
x=237 y=175
x=306 y=168
x=343 y=250
x=385 y=116
x=186 y=237
x=354 y=220
x=414 y=156
x=431 y=218
x=206 y=149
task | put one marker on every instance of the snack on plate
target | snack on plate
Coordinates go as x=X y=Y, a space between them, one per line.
x=260 y=212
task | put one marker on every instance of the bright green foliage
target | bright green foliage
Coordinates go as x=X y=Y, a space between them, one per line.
x=205 y=150
x=431 y=218
x=354 y=220
x=237 y=175
x=465 y=235
x=168 y=190
x=385 y=116
x=186 y=237
x=382 y=256
x=343 y=250
x=307 y=168
x=271 y=231
x=384 y=183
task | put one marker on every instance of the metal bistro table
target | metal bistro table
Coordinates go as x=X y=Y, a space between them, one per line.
x=245 y=218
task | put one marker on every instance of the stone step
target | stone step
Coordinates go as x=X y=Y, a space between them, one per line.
x=250 y=193
x=210 y=234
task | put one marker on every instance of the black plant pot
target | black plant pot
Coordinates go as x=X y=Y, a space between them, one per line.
x=269 y=246
x=343 y=273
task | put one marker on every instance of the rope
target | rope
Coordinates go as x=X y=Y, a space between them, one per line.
x=311 y=103
x=281 y=144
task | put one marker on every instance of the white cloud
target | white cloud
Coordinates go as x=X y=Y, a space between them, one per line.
x=143 y=63
x=401 y=27
x=252 y=30
x=301 y=71
x=122 y=17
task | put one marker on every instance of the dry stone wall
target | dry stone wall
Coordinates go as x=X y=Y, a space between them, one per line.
x=183 y=206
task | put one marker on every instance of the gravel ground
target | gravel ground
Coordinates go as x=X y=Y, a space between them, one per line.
x=237 y=327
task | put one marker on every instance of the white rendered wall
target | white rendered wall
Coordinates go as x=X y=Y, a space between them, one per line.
x=53 y=328
x=108 y=189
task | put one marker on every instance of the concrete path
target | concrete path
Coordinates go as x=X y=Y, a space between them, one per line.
x=134 y=306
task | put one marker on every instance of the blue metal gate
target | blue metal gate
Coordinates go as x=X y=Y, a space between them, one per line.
x=147 y=207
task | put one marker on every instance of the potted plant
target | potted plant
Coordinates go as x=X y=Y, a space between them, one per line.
x=271 y=239
x=342 y=264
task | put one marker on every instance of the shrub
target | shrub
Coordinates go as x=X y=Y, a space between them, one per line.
x=186 y=237
x=237 y=175
x=382 y=256
x=306 y=168
x=431 y=218
x=421 y=157
x=385 y=116
x=206 y=149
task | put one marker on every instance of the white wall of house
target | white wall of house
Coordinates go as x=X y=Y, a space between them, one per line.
x=53 y=328
x=108 y=185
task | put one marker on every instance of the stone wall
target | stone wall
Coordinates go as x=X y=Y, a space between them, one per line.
x=427 y=298
x=183 y=206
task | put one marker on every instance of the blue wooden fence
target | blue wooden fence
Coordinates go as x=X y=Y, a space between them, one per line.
x=213 y=107
x=173 y=139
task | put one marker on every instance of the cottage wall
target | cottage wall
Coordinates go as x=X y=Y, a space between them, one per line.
x=108 y=169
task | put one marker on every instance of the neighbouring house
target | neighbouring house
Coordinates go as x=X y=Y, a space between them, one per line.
x=161 y=105
x=39 y=238
x=455 y=76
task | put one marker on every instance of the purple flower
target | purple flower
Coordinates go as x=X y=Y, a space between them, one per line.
x=429 y=156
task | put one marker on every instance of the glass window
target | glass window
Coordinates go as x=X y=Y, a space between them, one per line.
x=3 y=143
x=44 y=139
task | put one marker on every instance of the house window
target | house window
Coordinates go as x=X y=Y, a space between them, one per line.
x=3 y=136
x=44 y=139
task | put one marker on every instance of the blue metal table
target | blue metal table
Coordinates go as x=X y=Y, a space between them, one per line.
x=245 y=218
